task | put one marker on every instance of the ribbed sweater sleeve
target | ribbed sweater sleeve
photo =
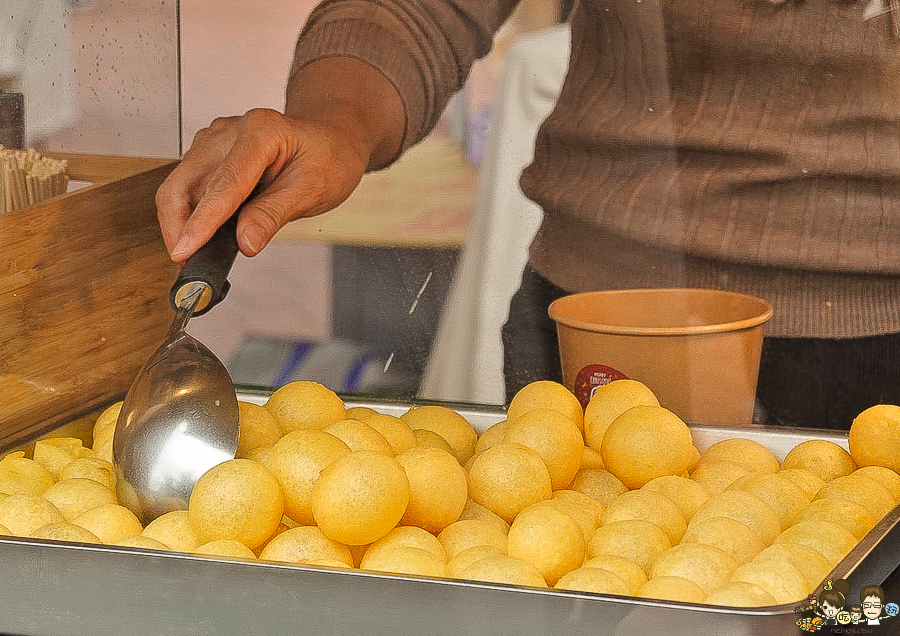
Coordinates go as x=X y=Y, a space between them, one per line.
x=424 y=47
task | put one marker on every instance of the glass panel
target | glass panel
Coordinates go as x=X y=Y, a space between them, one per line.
x=353 y=298
x=97 y=76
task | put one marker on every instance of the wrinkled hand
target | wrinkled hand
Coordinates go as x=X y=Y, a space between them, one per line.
x=304 y=168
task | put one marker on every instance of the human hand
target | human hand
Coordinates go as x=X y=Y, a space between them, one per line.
x=303 y=168
x=306 y=161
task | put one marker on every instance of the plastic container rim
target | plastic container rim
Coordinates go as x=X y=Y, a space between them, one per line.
x=763 y=313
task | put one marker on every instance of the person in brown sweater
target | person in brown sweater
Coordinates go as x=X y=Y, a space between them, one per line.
x=748 y=145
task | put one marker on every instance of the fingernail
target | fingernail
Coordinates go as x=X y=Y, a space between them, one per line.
x=180 y=250
x=252 y=238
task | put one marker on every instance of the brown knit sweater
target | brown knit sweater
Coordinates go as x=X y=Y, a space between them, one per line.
x=750 y=145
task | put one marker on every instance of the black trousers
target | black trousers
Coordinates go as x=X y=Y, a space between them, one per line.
x=808 y=382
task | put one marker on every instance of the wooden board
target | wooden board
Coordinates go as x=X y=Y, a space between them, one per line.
x=84 y=282
x=100 y=169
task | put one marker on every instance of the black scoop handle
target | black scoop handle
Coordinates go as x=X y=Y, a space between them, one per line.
x=210 y=266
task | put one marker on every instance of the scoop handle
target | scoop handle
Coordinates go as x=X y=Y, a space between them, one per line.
x=209 y=266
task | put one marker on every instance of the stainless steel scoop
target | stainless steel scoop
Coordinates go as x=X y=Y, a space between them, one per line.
x=180 y=416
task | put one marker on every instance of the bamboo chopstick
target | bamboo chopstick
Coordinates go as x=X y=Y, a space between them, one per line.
x=27 y=178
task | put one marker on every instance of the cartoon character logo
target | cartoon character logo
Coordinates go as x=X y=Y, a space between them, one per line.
x=808 y=624
x=872 y=600
x=831 y=607
x=809 y=606
x=832 y=599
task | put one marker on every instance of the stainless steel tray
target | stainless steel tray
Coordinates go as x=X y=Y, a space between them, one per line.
x=57 y=588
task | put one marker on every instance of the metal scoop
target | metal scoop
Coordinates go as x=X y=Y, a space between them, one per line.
x=180 y=416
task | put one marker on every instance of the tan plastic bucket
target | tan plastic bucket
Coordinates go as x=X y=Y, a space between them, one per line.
x=697 y=349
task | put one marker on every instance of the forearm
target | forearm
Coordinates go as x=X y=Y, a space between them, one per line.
x=424 y=48
x=354 y=97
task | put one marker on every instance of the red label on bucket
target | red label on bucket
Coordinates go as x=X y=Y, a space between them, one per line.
x=592 y=376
